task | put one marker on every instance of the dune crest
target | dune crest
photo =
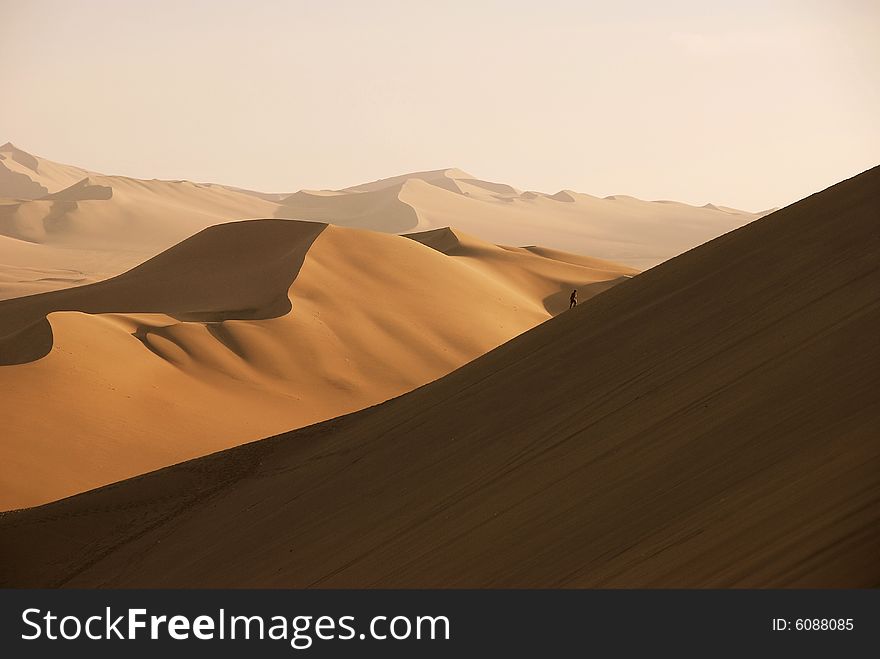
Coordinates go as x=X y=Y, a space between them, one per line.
x=243 y=330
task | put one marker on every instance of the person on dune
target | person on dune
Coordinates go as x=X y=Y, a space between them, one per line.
x=573 y=300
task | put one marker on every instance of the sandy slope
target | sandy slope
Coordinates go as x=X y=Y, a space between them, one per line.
x=62 y=225
x=200 y=348
x=712 y=422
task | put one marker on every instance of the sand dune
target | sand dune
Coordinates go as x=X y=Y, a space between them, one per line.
x=117 y=213
x=712 y=422
x=26 y=176
x=57 y=218
x=68 y=219
x=623 y=229
x=245 y=330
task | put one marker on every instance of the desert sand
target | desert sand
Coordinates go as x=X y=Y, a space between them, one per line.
x=249 y=329
x=711 y=422
x=618 y=228
x=63 y=226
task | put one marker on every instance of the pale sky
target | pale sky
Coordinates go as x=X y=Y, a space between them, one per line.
x=749 y=103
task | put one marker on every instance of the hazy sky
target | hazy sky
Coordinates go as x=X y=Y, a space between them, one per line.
x=748 y=103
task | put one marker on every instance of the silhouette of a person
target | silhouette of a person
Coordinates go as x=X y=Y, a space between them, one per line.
x=573 y=299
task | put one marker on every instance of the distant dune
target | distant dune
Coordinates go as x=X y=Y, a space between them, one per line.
x=25 y=176
x=622 y=229
x=91 y=227
x=712 y=422
x=247 y=329
x=57 y=218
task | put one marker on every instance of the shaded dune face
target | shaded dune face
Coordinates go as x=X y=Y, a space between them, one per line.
x=83 y=191
x=225 y=272
x=245 y=330
x=18 y=185
x=17 y=155
x=25 y=176
x=710 y=423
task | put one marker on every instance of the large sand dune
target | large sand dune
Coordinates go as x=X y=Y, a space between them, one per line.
x=247 y=329
x=61 y=225
x=712 y=422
